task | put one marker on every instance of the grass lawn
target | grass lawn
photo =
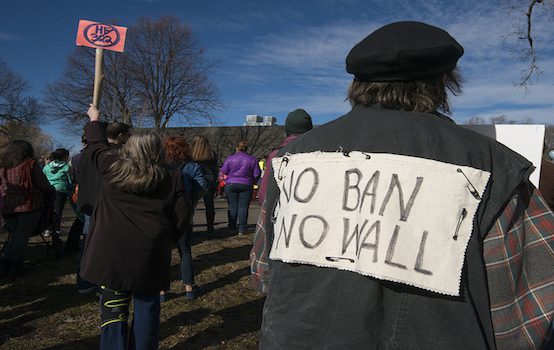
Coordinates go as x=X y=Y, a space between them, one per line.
x=42 y=310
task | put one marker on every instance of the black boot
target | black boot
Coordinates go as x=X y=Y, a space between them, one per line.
x=57 y=245
x=5 y=267
x=16 y=270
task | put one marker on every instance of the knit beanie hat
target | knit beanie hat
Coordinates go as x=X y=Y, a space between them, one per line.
x=298 y=122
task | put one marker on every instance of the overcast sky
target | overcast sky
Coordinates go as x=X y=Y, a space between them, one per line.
x=275 y=56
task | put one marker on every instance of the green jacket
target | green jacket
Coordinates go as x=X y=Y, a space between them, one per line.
x=57 y=174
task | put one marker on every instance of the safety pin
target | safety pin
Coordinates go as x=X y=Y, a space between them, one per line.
x=273 y=214
x=279 y=173
x=367 y=155
x=337 y=258
x=471 y=189
x=462 y=217
x=344 y=153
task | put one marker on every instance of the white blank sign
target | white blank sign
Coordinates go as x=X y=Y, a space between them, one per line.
x=527 y=140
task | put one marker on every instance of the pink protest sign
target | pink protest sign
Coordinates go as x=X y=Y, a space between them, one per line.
x=101 y=36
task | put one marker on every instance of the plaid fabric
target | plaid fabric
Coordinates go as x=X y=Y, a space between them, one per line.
x=519 y=256
x=17 y=191
x=259 y=255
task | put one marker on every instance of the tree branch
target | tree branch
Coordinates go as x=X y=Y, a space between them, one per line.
x=533 y=67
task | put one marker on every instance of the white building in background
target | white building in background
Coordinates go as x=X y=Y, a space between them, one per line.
x=257 y=120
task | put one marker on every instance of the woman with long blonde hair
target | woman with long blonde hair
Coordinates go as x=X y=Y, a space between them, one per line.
x=202 y=153
x=141 y=210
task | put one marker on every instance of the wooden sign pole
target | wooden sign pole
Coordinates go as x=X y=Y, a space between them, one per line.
x=98 y=76
x=100 y=36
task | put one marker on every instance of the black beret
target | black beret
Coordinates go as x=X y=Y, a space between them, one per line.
x=403 y=51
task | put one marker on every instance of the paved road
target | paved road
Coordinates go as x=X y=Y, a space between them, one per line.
x=221 y=216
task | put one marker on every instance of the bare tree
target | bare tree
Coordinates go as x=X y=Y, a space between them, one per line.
x=69 y=98
x=161 y=76
x=17 y=130
x=475 y=120
x=504 y=119
x=14 y=104
x=525 y=33
x=224 y=140
x=169 y=72
x=499 y=119
x=261 y=139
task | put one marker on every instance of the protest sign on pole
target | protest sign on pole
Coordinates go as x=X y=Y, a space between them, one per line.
x=100 y=36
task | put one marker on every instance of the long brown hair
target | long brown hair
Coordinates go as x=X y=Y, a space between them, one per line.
x=141 y=168
x=429 y=95
x=200 y=149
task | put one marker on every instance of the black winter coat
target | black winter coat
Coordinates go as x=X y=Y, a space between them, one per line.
x=129 y=243
x=89 y=179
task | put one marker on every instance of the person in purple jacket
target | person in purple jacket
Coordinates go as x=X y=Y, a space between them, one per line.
x=242 y=172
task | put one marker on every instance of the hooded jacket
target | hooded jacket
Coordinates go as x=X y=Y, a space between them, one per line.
x=57 y=173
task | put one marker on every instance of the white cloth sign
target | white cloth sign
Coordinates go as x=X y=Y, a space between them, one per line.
x=392 y=217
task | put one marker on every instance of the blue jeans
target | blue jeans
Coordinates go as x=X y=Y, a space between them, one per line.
x=184 y=245
x=238 y=199
x=114 y=308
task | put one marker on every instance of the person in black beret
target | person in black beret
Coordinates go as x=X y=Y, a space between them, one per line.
x=393 y=228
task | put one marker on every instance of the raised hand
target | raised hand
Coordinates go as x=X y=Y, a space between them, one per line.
x=93 y=113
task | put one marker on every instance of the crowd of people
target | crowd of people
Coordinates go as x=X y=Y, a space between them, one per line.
x=133 y=195
x=329 y=250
